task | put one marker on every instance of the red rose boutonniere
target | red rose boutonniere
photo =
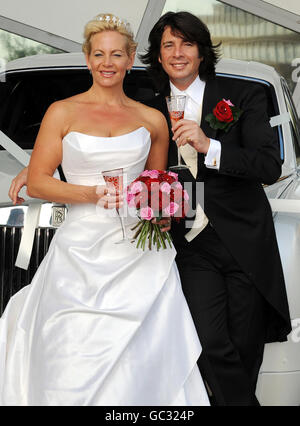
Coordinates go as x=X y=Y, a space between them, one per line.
x=224 y=115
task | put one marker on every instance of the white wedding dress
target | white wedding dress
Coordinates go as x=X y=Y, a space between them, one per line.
x=101 y=323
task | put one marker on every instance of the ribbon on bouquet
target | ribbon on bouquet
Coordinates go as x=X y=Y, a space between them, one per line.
x=34 y=206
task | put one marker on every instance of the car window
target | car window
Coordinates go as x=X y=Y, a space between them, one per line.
x=30 y=94
x=5 y=91
x=294 y=123
x=25 y=97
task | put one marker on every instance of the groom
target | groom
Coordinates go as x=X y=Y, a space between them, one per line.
x=231 y=271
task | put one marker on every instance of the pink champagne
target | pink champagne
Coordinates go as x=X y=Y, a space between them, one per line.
x=176 y=115
x=116 y=181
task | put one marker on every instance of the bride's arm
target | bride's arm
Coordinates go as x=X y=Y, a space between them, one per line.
x=45 y=158
x=158 y=155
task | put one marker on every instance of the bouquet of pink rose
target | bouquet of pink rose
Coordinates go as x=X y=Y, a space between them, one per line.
x=156 y=194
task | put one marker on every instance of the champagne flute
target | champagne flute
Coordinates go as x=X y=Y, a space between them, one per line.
x=114 y=178
x=176 y=105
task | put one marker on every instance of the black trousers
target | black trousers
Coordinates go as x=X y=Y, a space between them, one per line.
x=228 y=312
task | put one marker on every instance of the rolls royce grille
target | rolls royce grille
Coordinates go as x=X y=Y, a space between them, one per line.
x=12 y=278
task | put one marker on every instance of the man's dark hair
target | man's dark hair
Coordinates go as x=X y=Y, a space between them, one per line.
x=190 y=28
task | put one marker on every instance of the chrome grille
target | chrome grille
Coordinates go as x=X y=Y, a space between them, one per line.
x=12 y=278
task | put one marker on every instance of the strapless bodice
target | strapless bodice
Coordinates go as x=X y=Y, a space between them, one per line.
x=86 y=156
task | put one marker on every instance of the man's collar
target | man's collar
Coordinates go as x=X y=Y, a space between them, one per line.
x=194 y=91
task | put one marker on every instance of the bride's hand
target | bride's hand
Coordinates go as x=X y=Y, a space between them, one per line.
x=108 y=199
x=17 y=183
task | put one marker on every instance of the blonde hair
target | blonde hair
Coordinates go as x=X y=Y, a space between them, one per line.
x=108 y=22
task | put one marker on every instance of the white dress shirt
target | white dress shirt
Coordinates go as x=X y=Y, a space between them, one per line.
x=193 y=111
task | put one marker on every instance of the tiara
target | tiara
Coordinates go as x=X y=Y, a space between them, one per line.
x=114 y=20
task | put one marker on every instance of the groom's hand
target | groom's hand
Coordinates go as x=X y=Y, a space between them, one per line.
x=16 y=185
x=165 y=224
x=188 y=131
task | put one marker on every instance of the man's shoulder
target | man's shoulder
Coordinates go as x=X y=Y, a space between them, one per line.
x=236 y=85
x=157 y=102
x=148 y=112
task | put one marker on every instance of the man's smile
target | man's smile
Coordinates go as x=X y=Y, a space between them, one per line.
x=179 y=65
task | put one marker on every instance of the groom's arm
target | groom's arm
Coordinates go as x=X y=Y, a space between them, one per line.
x=254 y=153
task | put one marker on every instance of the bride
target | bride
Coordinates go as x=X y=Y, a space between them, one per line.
x=101 y=323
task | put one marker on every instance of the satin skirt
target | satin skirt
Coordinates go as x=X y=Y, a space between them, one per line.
x=100 y=324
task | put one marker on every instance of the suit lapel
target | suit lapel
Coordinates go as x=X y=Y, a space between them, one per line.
x=210 y=99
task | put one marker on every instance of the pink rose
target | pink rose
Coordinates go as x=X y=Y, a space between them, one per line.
x=131 y=200
x=186 y=195
x=165 y=187
x=174 y=175
x=150 y=173
x=136 y=187
x=146 y=213
x=177 y=185
x=171 y=209
x=228 y=102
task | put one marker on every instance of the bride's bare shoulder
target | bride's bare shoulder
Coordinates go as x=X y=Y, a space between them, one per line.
x=72 y=101
x=153 y=120
x=66 y=106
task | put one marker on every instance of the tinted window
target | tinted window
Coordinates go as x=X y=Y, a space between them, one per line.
x=25 y=97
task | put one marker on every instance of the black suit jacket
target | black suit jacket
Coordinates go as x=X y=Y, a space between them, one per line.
x=234 y=198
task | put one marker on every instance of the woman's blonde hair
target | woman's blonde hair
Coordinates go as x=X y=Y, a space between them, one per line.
x=108 y=22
